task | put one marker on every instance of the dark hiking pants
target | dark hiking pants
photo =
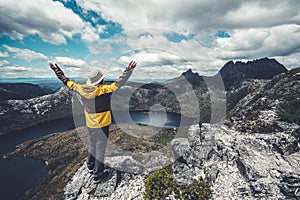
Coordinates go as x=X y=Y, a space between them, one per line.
x=98 y=138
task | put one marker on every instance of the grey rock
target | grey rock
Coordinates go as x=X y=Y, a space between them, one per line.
x=106 y=187
x=211 y=172
x=179 y=147
x=233 y=74
x=239 y=166
x=118 y=184
x=183 y=174
x=290 y=184
x=125 y=164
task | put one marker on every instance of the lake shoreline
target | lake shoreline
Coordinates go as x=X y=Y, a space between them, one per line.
x=64 y=152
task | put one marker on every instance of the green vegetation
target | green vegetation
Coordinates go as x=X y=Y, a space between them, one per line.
x=163 y=137
x=289 y=109
x=161 y=184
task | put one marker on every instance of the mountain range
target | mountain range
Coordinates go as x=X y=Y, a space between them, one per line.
x=22 y=111
x=21 y=91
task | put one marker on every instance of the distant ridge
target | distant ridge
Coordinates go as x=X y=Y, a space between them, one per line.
x=233 y=74
x=21 y=91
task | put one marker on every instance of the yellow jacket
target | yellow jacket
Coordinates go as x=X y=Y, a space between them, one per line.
x=96 y=102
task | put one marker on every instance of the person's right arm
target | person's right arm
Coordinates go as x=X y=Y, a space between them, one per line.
x=59 y=73
x=61 y=76
x=121 y=80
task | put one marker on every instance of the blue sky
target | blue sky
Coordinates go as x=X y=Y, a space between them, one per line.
x=164 y=37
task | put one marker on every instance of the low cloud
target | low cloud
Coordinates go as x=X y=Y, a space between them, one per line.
x=3 y=63
x=15 y=68
x=4 y=54
x=70 y=62
x=13 y=71
x=24 y=54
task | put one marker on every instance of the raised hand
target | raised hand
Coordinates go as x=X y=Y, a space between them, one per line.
x=131 y=65
x=53 y=66
x=59 y=73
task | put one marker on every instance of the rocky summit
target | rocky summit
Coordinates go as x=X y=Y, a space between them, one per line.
x=239 y=166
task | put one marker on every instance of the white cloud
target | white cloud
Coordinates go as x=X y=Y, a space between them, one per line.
x=196 y=15
x=264 y=14
x=152 y=57
x=257 y=28
x=290 y=61
x=4 y=54
x=254 y=43
x=3 y=63
x=14 y=71
x=90 y=34
x=152 y=50
x=24 y=54
x=15 y=68
x=49 y=19
x=70 y=62
x=18 y=71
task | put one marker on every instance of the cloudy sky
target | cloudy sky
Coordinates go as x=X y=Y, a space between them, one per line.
x=165 y=37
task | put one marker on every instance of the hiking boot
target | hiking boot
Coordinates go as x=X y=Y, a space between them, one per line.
x=103 y=176
x=90 y=170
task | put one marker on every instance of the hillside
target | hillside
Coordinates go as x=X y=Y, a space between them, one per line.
x=20 y=114
x=21 y=91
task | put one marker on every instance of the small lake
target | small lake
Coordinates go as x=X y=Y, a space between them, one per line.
x=19 y=174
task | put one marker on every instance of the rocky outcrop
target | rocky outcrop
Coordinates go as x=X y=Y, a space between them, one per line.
x=241 y=166
x=266 y=102
x=118 y=185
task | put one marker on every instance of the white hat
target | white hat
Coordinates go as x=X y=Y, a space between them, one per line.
x=95 y=77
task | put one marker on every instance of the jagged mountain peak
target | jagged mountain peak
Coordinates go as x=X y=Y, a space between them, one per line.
x=193 y=77
x=189 y=73
x=263 y=68
x=235 y=73
x=259 y=60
